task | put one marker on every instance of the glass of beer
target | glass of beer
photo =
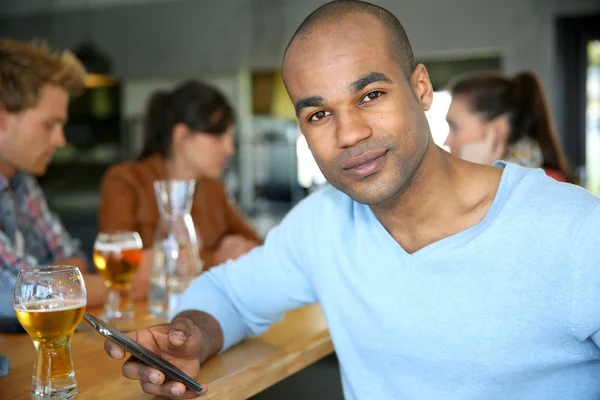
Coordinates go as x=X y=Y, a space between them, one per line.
x=117 y=257
x=49 y=303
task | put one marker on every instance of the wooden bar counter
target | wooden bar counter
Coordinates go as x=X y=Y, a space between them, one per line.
x=299 y=340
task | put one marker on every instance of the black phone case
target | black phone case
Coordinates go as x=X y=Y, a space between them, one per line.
x=144 y=355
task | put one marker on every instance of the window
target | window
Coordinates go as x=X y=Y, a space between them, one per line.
x=437 y=117
x=592 y=148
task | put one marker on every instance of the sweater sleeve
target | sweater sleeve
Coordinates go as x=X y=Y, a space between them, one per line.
x=249 y=294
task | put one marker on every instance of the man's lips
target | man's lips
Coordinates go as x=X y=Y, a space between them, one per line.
x=361 y=159
x=365 y=164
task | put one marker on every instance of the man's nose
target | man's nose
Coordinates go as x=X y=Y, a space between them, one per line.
x=351 y=129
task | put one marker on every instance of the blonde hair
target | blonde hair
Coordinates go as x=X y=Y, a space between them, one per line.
x=26 y=67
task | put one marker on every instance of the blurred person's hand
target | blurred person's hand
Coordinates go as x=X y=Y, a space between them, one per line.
x=485 y=151
x=231 y=247
x=181 y=342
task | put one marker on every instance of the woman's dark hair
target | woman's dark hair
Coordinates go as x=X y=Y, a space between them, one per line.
x=201 y=107
x=521 y=99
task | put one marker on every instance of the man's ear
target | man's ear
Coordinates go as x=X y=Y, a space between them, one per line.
x=421 y=85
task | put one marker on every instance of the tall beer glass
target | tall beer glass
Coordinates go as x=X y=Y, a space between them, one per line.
x=49 y=303
x=117 y=257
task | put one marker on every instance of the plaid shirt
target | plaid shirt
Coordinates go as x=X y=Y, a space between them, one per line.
x=23 y=208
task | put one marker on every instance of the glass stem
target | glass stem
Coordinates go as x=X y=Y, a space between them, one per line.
x=119 y=302
x=53 y=373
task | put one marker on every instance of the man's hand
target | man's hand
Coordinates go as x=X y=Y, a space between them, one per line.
x=181 y=342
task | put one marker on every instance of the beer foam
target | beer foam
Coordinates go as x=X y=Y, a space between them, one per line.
x=117 y=247
x=50 y=305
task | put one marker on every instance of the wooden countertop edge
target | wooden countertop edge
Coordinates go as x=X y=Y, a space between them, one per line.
x=270 y=370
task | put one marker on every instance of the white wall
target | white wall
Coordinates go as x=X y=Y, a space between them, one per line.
x=136 y=91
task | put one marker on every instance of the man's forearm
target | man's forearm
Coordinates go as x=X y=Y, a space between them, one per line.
x=210 y=328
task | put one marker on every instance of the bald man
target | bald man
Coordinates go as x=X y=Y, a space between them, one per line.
x=439 y=278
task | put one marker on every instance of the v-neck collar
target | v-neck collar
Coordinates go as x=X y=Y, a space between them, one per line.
x=457 y=239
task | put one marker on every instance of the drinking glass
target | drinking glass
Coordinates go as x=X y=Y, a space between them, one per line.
x=117 y=257
x=49 y=303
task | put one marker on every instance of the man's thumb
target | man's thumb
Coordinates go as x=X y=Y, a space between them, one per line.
x=180 y=331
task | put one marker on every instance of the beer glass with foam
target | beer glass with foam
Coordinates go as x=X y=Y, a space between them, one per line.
x=117 y=257
x=49 y=303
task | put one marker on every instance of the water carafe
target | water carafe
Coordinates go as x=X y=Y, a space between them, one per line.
x=176 y=261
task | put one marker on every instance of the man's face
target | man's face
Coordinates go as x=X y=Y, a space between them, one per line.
x=28 y=139
x=363 y=120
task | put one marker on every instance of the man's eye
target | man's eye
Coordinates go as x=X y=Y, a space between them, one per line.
x=372 y=96
x=319 y=115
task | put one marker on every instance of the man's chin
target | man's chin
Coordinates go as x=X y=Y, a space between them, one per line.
x=371 y=198
x=37 y=171
x=369 y=194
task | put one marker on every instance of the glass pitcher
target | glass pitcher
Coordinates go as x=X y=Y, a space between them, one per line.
x=176 y=261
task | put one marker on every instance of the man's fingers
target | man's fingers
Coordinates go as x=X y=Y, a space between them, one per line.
x=136 y=370
x=113 y=350
x=180 y=332
x=171 y=390
x=116 y=351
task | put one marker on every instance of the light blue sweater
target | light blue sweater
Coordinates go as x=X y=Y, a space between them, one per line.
x=507 y=309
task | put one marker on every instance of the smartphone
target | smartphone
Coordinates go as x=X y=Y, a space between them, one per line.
x=141 y=353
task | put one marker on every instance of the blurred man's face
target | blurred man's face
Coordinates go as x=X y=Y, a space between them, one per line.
x=363 y=120
x=28 y=139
